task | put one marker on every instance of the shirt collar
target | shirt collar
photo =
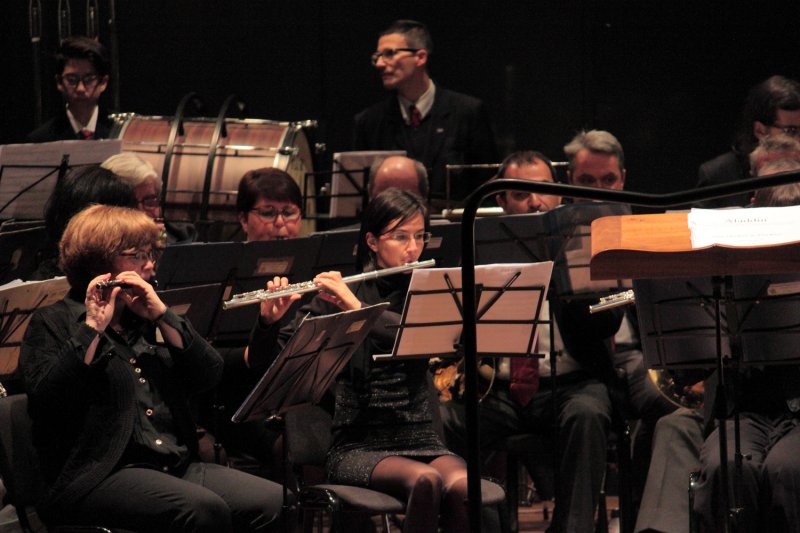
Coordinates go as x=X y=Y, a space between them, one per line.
x=77 y=126
x=424 y=103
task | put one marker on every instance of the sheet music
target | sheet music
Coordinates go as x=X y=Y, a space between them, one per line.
x=17 y=300
x=433 y=321
x=748 y=227
x=22 y=165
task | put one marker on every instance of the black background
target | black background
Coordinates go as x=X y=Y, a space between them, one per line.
x=667 y=78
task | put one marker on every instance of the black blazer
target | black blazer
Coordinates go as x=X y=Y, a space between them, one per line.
x=58 y=128
x=725 y=168
x=461 y=134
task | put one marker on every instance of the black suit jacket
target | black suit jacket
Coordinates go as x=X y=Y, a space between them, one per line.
x=58 y=128
x=728 y=167
x=461 y=134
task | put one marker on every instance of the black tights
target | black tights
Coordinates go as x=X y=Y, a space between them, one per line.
x=442 y=483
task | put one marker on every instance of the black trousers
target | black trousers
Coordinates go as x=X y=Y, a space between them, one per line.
x=770 y=474
x=208 y=497
x=583 y=417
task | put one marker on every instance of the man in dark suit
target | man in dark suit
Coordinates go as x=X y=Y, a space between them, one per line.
x=772 y=106
x=83 y=67
x=432 y=124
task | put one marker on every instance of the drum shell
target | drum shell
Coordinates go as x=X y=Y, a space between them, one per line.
x=248 y=144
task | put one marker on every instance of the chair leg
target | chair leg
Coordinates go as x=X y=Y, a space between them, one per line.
x=512 y=491
x=601 y=525
x=694 y=519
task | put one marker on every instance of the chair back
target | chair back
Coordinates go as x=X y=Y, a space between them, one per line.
x=19 y=465
x=308 y=434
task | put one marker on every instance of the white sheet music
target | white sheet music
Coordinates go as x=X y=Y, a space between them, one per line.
x=17 y=299
x=434 y=323
x=22 y=165
x=748 y=227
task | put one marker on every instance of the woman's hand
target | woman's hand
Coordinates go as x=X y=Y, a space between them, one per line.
x=335 y=290
x=141 y=297
x=100 y=304
x=272 y=310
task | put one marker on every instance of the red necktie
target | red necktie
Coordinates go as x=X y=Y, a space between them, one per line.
x=86 y=134
x=524 y=379
x=414 y=116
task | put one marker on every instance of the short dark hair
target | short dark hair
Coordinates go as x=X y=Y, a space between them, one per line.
x=80 y=47
x=391 y=204
x=415 y=33
x=762 y=105
x=524 y=157
x=82 y=187
x=270 y=184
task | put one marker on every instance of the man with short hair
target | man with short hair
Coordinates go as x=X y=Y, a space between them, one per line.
x=399 y=172
x=83 y=67
x=596 y=160
x=772 y=106
x=432 y=124
x=526 y=165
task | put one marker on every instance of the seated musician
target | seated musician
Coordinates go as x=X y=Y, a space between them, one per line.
x=269 y=205
x=80 y=188
x=146 y=184
x=514 y=405
x=768 y=400
x=383 y=432
x=109 y=373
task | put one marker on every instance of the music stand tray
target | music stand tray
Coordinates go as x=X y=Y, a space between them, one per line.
x=308 y=364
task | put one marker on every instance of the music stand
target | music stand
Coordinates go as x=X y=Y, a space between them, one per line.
x=445 y=245
x=18 y=300
x=338 y=251
x=257 y=263
x=306 y=368
x=660 y=246
x=29 y=172
x=192 y=303
x=349 y=180
x=19 y=252
x=511 y=298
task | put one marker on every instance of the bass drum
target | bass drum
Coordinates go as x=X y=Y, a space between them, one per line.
x=248 y=144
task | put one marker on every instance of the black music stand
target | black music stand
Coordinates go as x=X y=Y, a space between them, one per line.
x=192 y=303
x=306 y=368
x=20 y=251
x=743 y=320
x=338 y=251
x=445 y=245
x=257 y=263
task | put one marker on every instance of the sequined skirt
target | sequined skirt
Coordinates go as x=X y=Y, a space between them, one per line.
x=354 y=455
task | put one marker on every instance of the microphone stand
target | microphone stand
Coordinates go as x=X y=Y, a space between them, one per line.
x=35 y=25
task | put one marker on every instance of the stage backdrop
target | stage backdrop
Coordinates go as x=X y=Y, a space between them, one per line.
x=668 y=78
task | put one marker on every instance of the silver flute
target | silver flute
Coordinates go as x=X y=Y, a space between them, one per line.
x=613 y=300
x=247 y=298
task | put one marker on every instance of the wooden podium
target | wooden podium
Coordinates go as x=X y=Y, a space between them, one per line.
x=660 y=246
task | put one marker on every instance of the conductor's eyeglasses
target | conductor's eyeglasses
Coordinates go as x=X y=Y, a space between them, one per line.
x=388 y=54
x=270 y=214
x=143 y=256
x=89 y=80
x=405 y=238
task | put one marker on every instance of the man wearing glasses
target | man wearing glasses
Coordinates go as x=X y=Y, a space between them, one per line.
x=772 y=107
x=82 y=66
x=432 y=124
